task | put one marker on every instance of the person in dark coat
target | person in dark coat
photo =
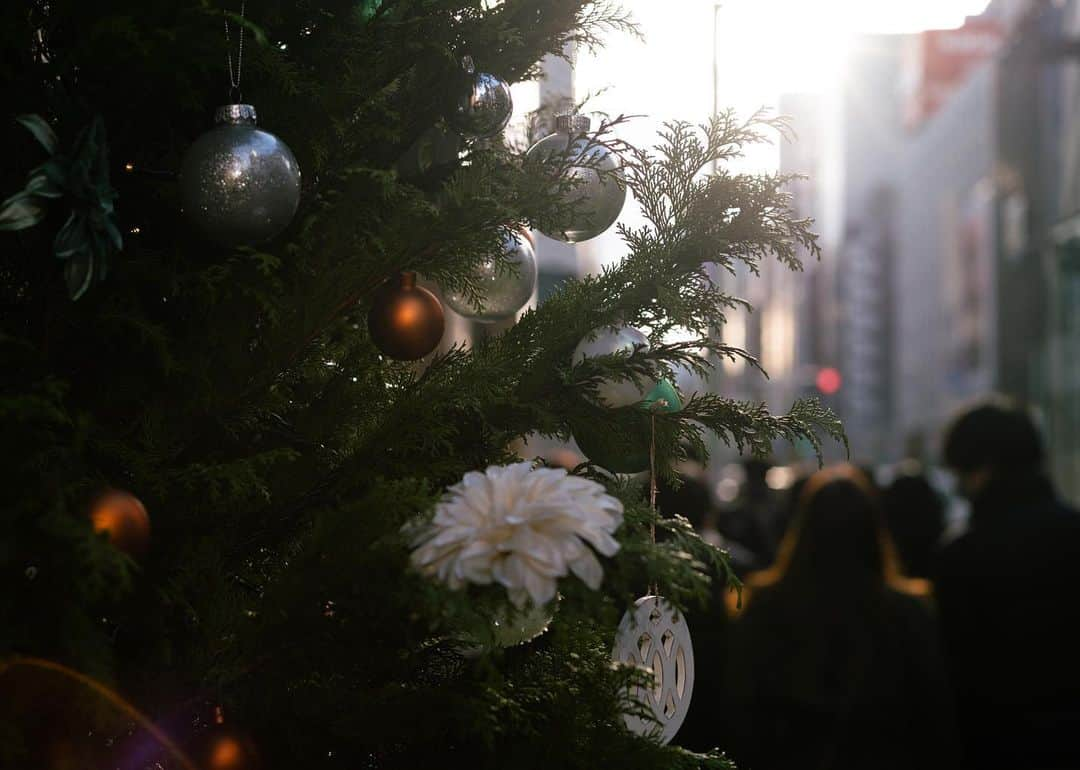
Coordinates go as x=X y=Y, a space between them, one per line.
x=1008 y=597
x=915 y=514
x=751 y=522
x=834 y=663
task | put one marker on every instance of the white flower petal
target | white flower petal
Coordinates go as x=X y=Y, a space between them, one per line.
x=587 y=567
x=522 y=528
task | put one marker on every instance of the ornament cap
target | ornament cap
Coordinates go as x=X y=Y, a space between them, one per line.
x=468 y=66
x=235 y=115
x=577 y=124
x=408 y=279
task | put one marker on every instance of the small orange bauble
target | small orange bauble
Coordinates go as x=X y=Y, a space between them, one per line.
x=224 y=747
x=226 y=750
x=405 y=320
x=124 y=518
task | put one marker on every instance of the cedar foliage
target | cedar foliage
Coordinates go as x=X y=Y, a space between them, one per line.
x=280 y=456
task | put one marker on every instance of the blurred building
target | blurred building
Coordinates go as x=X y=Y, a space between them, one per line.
x=791 y=329
x=950 y=204
x=1039 y=224
x=868 y=125
x=943 y=275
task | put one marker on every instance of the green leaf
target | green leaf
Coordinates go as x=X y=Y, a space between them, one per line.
x=20 y=211
x=250 y=26
x=41 y=130
x=78 y=274
x=42 y=186
x=72 y=237
x=113 y=233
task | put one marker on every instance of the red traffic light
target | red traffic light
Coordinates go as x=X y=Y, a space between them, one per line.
x=828 y=380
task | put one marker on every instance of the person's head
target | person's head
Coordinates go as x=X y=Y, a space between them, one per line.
x=915 y=515
x=990 y=440
x=838 y=540
x=756 y=471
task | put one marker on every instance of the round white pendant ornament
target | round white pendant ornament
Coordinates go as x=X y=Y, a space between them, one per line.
x=654 y=635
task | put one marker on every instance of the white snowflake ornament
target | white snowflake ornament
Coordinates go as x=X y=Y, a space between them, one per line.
x=654 y=635
x=520 y=527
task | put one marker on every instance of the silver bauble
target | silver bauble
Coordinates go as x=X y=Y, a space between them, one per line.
x=598 y=199
x=239 y=184
x=484 y=107
x=505 y=289
x=614 y=339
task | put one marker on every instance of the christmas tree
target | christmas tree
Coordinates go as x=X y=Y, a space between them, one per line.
x=219 y=480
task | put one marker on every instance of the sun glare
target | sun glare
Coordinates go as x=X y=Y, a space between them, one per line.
x=764 y=48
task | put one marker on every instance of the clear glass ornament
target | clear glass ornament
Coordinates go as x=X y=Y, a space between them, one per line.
x=599 y=199
x=615 y=339
x=238 y=183
x=505 y=289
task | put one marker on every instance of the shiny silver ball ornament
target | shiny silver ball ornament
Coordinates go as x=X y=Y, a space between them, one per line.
x=606 y=341
x=484 y=106
x=598 y=199
x=238 y=183
x=505 y=288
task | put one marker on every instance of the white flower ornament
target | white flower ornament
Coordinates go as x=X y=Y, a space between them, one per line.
x=522 y=528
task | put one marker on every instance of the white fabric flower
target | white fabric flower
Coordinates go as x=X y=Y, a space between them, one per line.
x=522 y=528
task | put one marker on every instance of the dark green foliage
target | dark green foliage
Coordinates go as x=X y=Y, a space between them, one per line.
x=238 y=396
x=89 y=235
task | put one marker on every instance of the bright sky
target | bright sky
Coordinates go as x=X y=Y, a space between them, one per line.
x=765 y=48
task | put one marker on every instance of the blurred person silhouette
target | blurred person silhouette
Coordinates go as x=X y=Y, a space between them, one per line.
x=752 y=519
x=834 y=662
x=1007 y=596
x=787 y=511
x=693 y=500
x=915 y=515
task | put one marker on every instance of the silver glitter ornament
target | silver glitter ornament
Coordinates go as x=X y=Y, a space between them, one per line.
x=616 y=339
x=239 y=184
x=598 y=199
x=484 y=107
x=505 y=290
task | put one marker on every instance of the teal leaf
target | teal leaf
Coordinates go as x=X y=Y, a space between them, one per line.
x=368 y=9
x=41 y=185
x=72 y=237
x=20 y=211
x=81 y=177
x=78 y=274
x=41 y=130
x=250 y=26
x=113 y=232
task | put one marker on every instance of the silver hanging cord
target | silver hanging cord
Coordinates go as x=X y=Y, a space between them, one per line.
x=234 y=80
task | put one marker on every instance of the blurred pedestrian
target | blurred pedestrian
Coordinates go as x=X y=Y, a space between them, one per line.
x=915 y=514
x=1007 y=594
x=834 y=663
x=693 y=500
x=750 y=522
